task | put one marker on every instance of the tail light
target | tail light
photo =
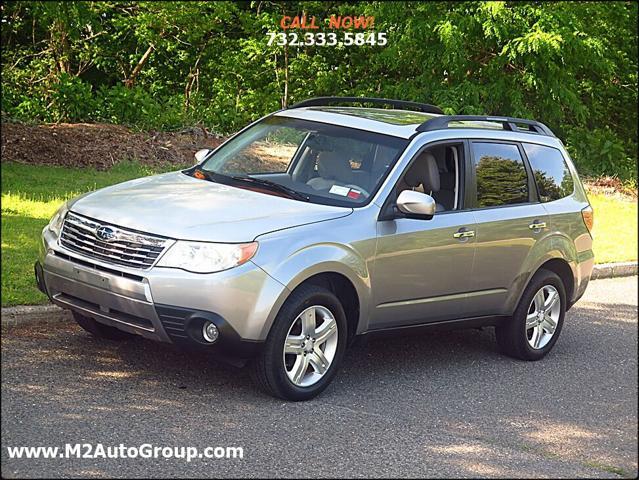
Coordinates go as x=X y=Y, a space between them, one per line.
x=589 y=217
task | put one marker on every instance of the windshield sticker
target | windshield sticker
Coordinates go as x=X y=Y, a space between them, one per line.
x=341 y=191
x=354 y=194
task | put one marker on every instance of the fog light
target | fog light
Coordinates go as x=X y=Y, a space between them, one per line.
x=210 y=332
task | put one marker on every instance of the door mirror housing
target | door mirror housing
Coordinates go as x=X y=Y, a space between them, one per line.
x=416 y=204
x=200 y=155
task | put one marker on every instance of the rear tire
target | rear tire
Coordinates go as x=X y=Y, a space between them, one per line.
x=536 y=324
x=98 y=329
x=306 y=372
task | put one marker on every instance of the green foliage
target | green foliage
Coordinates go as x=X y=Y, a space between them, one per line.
x=167 y=64
x=600 y=151
x=72 y=99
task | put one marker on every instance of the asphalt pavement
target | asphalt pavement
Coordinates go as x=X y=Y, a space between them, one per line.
x=433 y=405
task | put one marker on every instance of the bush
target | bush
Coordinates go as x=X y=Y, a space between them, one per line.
x=599 y=151
x=138 y=108
x=73 y=100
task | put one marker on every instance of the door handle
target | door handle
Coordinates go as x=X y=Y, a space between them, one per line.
x=464 y=234
x=537 y=225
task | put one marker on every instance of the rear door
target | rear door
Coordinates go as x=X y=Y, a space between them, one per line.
x=509 y=222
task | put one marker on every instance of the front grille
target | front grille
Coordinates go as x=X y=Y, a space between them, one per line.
x=125 y=247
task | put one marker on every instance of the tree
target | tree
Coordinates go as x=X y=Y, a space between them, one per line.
x=168 y=64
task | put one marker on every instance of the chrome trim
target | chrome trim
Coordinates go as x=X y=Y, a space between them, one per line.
x=125 y=247
x=537 y=225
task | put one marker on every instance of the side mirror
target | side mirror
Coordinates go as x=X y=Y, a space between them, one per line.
x=416 y=204
x=200 y=155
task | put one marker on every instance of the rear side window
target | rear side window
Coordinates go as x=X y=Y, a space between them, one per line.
x=501 y=175
x=552 y=175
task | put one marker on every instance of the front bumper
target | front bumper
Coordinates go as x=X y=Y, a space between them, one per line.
x=163 y=304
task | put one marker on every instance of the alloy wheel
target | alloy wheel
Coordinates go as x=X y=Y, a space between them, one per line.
x=543 y=316
x=310 y=346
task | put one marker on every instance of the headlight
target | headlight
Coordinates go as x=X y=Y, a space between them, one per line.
x=55 y=224
x=201 y=257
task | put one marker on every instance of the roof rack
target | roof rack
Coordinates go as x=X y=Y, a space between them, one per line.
x=325 y=101
x=508 y=123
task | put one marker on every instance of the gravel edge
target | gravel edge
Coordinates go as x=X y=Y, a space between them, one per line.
x=24 y=314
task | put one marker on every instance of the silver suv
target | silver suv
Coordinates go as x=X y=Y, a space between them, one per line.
x=323 y=223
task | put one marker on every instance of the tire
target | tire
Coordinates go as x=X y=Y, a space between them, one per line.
x=518 y=337
x=100 y=330
x=272 y=368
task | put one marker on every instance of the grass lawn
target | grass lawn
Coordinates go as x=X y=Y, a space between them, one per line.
x=615 y=230
x=31 y=195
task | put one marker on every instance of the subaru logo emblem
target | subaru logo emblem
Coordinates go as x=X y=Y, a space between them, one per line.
x=105 y=233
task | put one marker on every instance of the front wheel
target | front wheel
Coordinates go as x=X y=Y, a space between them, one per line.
x=305 y=346
x=536 y=324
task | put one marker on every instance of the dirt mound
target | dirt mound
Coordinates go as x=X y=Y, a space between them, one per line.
x=609 y=186
x=100 y=145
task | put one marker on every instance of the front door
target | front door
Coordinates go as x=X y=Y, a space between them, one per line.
x=422 y=268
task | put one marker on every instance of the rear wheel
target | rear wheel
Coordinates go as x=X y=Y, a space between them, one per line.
x=536 y=324
x=98 y=329
x=305 y=346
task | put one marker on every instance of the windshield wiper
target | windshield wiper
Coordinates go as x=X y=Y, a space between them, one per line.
x=221 y=178
x=272 y=186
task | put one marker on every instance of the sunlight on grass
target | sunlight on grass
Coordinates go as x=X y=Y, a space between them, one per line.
x=19 y=204
x=615 y=230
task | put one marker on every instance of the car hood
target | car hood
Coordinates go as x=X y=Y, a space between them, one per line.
x=178 y=206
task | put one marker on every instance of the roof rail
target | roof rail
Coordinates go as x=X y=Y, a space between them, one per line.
x=508 y=123
x=325 y=101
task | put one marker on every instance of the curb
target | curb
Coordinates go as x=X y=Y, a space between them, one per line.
x=26 y=314
x=613 y=270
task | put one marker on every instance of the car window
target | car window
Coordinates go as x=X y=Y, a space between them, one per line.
x=270 y=153
x=327 y=163
x=551 y=173
x=500 y=173
x=443 y=185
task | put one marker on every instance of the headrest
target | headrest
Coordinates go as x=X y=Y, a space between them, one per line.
x=334 y=166
x=424 y=172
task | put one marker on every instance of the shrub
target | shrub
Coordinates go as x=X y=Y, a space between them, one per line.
x=72 y=100
x=600 y=151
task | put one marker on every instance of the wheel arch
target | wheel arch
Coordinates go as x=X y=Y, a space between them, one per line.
x=344 y=290
x=561 y=267
x=558 y=265
x=338 y=269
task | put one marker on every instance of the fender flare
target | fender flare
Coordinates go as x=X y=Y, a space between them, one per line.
x=555 y=246
x=317 y=259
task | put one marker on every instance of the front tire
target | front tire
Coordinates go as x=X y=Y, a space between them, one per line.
x=98 y=329
x=305 y=346
x=536 y=324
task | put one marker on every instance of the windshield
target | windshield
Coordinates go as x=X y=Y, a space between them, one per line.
x=324 y=163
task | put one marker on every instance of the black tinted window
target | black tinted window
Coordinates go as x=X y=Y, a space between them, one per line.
x=553 y=178
x=501 y=175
